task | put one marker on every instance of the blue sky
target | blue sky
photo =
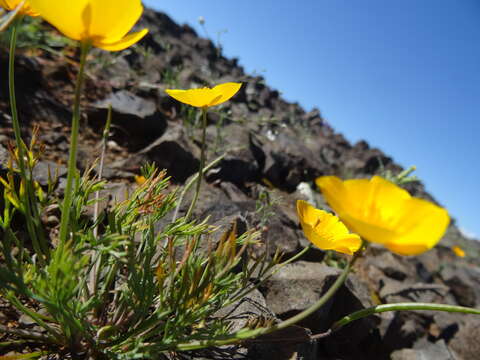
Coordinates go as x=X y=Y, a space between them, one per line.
x=402 y=74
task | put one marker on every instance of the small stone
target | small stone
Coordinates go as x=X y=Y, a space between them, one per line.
x=26 y=320
x=52 y=220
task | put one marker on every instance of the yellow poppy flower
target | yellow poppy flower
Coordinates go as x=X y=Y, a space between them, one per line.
x=105 y=23
x=326 y=230
x=458 y=251
x=12 y=5
x=206 y=97
x=140 y=179
x=381 y=212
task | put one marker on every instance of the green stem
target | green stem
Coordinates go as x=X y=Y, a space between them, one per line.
x=13 y=99
x=93 y=284
x=28 y=199
x=202 y=163
x=106 y=132
x=401 y=307
x=72 y=166
x=245 y=334
x=191 y=182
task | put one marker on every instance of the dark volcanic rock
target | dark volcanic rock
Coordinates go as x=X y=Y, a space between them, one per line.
x=135 y=120
x=465 y=343
x=464 y=284
x=424 y=350
x=297 y=286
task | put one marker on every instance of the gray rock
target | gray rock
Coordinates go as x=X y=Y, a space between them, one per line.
x=252 y=311
x=393 y=266
x=125 y=102
x=402 y=329
x=465 y=342
x=135 y=120
x=464 y=282
x=424 y=350
x=4 y=156
x=171 y=151
x=44 y=169
x=297 y=286
x=394 y=291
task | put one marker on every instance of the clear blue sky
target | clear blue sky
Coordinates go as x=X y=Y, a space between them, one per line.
x=402 y=74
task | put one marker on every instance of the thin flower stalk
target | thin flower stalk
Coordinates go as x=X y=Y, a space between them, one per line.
x=202 y=164
x=72 y=166
x=38 y=241
x=103 y=145
x=93 y=281
x=191 y=182
x=401 y=307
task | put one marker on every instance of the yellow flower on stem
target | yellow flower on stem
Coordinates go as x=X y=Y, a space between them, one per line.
x=12 y=5
x=381 y=212
x=103 y=23
x=206 y=97
x=325 y=230
x=458 y=251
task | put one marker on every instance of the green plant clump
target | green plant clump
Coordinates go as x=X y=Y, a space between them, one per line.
x=135 y=289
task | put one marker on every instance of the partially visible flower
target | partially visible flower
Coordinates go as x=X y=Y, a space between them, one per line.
x=104 y=23
x=458 y=251
x=140 y=179
x=325 y=230
x=12 y=5
x=381 y=212
x=206 y=97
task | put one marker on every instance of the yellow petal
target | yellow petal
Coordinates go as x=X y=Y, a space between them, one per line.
x=325 y=230
x=193 y=97
x=27 y=10
x=111 y=20
x=8 y=4
x=103 y=22
x=384 y=213
x=12 y=5
x=226 y=91
x=205 y=97
x=65 y=15
x=124 y=43
x=424 y=226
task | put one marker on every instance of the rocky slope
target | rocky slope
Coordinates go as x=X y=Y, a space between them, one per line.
x=270 y=147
